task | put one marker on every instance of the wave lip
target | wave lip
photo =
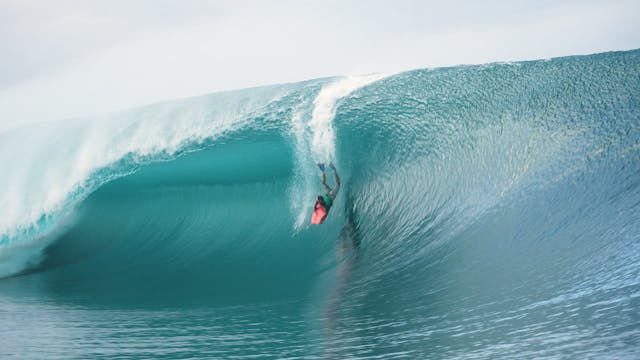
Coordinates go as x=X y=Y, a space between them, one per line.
x=63 y=162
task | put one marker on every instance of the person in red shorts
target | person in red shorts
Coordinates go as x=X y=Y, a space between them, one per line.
x=325 y=201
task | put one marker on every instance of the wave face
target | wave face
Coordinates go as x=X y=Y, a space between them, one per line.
x=486 y=212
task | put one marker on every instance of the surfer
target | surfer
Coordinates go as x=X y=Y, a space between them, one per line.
x=324 y=202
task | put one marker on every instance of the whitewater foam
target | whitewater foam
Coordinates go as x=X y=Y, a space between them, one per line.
x=323 y=141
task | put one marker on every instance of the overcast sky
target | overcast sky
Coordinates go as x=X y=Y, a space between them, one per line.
x=70 y=58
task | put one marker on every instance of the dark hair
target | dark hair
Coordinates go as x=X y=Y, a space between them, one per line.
x=320 y=200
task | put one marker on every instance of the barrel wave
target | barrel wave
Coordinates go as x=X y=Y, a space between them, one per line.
x=486 y=211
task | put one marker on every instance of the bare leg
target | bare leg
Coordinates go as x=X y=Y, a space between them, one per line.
x=334 y=192
x=324 y=183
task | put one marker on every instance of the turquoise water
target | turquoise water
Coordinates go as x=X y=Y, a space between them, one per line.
x=486 y=212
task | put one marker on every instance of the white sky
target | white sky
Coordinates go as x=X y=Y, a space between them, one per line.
x=69 y=58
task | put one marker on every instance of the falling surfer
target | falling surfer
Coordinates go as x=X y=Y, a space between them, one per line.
x=324 y=202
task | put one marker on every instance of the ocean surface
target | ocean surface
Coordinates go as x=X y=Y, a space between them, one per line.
x=486 y=212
